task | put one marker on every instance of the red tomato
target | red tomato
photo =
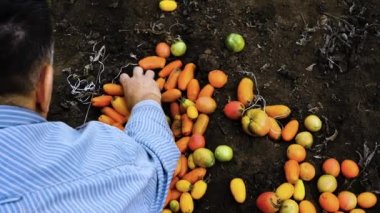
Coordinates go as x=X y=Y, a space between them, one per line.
x=268 y=202
x=233 y=110
x=197 y=141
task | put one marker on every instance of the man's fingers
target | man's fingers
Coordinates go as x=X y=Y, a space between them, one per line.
x=124 y=78
x=149 y=74
x=137 y=71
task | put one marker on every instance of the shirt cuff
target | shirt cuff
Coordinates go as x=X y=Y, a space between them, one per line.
x=146 y=103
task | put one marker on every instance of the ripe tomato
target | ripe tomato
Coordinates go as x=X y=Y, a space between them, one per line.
x=197 y=141
x=163 y=50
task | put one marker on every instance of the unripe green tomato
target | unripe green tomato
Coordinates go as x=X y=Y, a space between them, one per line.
x=304 y=139
x=235 y=42
x=313 y=123
x=178 y=48
x=223 y=153
x=203 y=157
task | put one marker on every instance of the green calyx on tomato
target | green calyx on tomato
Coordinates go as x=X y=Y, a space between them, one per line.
x=235 y=42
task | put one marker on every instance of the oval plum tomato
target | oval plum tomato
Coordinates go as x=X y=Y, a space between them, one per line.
x=235 y=42
x=178 y=48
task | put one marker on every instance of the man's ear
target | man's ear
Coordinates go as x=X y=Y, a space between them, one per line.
x=44 y=90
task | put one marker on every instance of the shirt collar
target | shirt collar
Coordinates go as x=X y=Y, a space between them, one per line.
x=14 y=116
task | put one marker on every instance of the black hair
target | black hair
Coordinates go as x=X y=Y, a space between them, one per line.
x=26 y=39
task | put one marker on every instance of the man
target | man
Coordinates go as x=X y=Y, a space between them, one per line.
x=51 y=167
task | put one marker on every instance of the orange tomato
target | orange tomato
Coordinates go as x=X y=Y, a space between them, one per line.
x=307 y=171
x=207 y=91
x=296 y=152
x=306 y=206
x=165 y=72
x=163 y=50
x=347 y=200
x=290 y=130
x=117 y=117
x=275 y=129
x=245 y=91
x=329 y=202
x=331 y=167
x=113 y=89
x=178 y=168
x=350 y=169
x=160 y=83
x=278 y=111
x=292 y=171
x=101 y=101
x=367 y=200
x=174 y=109
x=193 y=89
x=206 y=105
x=171 y=82
x=152 y=62
x=187 y=125
x=217 y=78
x=195 y=175
x=186 y=75
x=184 y=166
x=106 y=119
x=182 y=144
x=200 y=125
x=171 y=95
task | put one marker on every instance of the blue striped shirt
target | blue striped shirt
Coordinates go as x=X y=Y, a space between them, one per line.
x=51 y=167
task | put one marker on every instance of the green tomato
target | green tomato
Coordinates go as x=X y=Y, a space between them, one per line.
x=203 y=157
x=174 y=205
x=289 y=206
x=178 y=48
x=235 y=42
x=313 y=123
x=224 y=153
x=304 y=139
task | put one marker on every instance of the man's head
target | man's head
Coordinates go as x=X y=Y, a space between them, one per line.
x=25 y=54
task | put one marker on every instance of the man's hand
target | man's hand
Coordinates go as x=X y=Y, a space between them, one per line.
x=140 y=87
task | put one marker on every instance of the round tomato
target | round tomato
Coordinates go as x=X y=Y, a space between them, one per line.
x=235 y=42
x=163 y=50
x=223 y=153
x=178 y=48
x=196 y=141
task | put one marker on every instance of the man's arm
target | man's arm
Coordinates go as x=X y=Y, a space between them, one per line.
x=148 y=126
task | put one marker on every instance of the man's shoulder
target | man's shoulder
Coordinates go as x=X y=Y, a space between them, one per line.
x=45 y=148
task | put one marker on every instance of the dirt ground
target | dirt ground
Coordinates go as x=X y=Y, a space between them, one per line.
x=283 y=38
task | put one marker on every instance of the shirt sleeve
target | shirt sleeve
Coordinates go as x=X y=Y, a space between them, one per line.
x=148 y=127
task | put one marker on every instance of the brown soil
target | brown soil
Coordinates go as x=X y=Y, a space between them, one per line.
x=346 y=99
